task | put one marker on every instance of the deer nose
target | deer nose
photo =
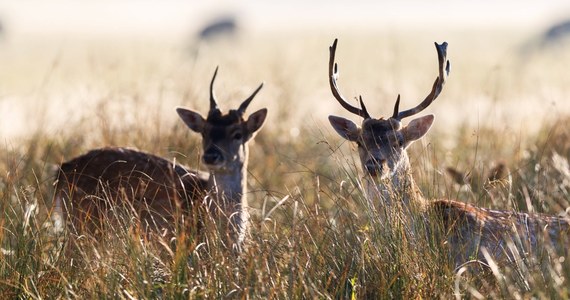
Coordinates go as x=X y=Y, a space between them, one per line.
x=374 y=166
x=212 y=156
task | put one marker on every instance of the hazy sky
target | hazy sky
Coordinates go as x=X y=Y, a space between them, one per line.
x=140 y=18
x=61 y=22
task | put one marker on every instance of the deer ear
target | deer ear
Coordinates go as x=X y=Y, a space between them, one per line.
x=345 y=128
x=255 y=121
x=417 y=129
x=192 y=119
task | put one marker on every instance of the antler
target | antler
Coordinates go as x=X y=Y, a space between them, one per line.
x=333 y=76
x=245 y=103
x=214 y=109
x=436 y=89
x=213 y=103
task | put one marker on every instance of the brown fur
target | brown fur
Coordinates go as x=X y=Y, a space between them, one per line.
x=154 y=187
x=469 y=228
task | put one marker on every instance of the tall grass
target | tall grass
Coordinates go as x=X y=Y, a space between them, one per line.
x=314 y=234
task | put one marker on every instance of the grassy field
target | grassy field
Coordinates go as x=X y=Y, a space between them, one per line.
x=312 y=232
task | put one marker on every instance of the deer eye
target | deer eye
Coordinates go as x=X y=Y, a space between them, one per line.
x=400 y=141
x=237 y=136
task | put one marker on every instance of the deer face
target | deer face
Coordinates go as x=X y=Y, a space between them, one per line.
x=224 y=137
x=382 y=143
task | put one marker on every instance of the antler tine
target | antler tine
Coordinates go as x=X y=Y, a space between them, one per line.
x=333 y=75
x=396 y=108
x=436 y=89
x=213 y=103
x=245 y=103
x=366 y=114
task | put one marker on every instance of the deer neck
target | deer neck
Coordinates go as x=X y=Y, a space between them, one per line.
x=229 y=186
x=228 y=189
x=398 y=196
x=399 y=188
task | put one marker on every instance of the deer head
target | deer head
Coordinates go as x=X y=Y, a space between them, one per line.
x=382 y=143
x=224 y=136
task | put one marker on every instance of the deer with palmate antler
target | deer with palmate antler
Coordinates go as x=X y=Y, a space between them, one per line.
x=471 y=232
x=90 y=186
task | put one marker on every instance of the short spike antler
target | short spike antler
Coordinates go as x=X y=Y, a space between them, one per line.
x=364 y=108
x=333 y=76
x=213 y=103
x=396 y=108
x=436 y=89
x=245 y=103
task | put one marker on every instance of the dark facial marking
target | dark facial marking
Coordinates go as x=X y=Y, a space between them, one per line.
x=233 y=117
x=382 y=132
x=217 y=133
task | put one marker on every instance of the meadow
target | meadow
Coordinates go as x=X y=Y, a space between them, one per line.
x=313 y=234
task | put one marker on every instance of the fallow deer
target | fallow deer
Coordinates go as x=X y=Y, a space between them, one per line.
x=495 y=183
x=471 y=231
x=90 y=186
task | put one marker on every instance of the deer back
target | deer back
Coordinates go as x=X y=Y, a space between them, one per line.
x=153 y=187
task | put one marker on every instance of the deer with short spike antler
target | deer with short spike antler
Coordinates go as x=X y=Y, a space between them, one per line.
x=156 y=189
x=382 y=145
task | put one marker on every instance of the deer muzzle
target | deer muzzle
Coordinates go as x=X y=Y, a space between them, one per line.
x=213 y=157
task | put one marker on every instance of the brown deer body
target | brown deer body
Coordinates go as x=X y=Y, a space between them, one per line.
x=471 y=232
x=91 y=186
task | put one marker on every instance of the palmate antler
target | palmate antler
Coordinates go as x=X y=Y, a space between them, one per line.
x=436 y=89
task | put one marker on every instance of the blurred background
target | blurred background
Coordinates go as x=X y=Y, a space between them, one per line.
x=77 y=75
x=63 y=63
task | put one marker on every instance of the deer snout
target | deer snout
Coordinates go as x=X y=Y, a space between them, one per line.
x=375 y=167
x=213 y=157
